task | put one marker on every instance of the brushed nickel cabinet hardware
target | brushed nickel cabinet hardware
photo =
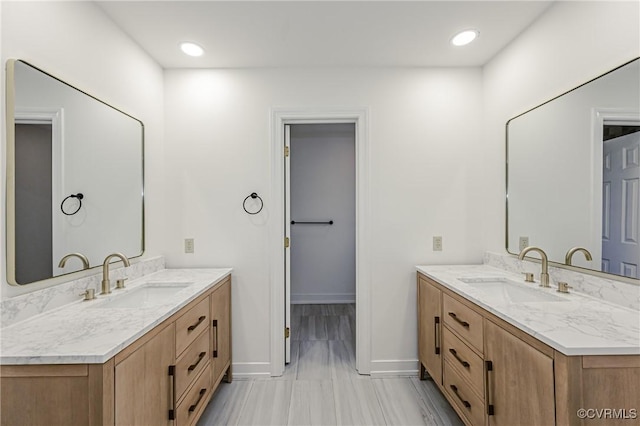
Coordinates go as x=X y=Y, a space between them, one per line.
x=458 y=320
x=194 y=326
x=488 y=366
x=466 y=403
x=215 y=338
x=192 y=408
x=172 y=375
x=464 y=363
x=200 y=358
x=436 y=334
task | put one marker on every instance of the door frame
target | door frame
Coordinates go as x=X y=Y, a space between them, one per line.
x=279 y=118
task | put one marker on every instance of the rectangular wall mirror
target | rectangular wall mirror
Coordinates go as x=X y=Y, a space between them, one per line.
x=573 y=175
x=74 y=177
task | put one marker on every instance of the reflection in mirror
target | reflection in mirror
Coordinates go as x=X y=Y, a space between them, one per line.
x=573 y=175
x=74 y=178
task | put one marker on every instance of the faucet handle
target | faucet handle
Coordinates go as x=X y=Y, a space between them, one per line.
x=528 y=277
x=89 y=294
x=563 y=287
x=120 y=282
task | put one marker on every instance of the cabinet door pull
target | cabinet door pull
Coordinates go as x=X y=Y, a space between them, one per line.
x=194 y=326
x=458 y=320
x=192 y=408
x=215 y=338
x=200 y=357
x=488 y=366
x=172 y=375
x=436 y=334
x=466 y=403
x=464 y=363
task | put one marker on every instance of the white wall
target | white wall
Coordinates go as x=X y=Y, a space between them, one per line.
x=77 y=43
x=425 y=180
x=571 y=43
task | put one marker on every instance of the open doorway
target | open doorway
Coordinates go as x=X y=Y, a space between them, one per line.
x=320 y=210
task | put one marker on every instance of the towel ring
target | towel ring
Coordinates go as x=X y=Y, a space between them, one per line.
x=79 y=196
x=253 y=195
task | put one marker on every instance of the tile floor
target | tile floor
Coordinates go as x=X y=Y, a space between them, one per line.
x=321 y=386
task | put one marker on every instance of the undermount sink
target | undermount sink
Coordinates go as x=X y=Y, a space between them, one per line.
x=148 y=295
x=511 y=291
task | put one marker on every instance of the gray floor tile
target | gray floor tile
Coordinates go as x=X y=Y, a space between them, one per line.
x=226 y=405
x=312 y=403
x=357 y=403
x=439 y=407
x=267 y=403
x=401 y=404
x=313 y=360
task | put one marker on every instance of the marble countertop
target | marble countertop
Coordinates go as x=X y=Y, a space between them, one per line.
x=83 y=333
x=576 y=324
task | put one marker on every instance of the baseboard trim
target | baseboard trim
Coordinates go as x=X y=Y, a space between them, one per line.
x=394 y=368
x=313 y=298
x=251 y=369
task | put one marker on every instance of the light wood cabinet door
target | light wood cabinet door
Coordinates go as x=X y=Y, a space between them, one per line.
x=519 y=382
x=430 y=329
x=143 y=387
x=221 y=329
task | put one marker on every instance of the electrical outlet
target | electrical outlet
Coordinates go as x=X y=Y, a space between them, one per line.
x=188 y=245
x=524 y=242
x=437 y=243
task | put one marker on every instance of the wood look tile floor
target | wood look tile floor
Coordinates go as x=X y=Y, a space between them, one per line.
x=321 y=386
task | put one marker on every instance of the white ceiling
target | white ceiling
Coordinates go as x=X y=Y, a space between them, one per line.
x=321 y=33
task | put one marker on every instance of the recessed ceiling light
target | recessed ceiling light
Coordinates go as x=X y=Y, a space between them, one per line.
x=464 y=37
x=191 y=49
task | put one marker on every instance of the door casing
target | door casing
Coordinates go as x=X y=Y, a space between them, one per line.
x=279 y=118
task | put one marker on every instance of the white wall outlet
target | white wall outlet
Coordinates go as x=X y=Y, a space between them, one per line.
x=437 y=243
x=188 y=245
x=523 y=243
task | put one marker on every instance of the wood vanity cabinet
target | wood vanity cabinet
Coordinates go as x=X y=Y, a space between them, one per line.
x=494 y=374
x=166 y=377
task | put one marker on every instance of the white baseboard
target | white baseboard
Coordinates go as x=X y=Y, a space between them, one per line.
x=394 y=368
x=313 y=298
x=251 y=370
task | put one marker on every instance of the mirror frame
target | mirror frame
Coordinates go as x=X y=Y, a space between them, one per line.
x=10 y=218
x=594 y=272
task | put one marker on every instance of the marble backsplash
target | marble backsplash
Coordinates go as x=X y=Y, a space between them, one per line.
x=611 y=290
x=19 y=308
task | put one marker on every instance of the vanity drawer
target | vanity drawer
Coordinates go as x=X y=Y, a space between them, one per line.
x=192 y=362
x=190 y=325
x=468 y=365
x=459 y=391
x=463 y=320
x=195 y=399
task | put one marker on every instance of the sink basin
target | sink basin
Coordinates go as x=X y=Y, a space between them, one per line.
x=511 y=291
x=146 y=296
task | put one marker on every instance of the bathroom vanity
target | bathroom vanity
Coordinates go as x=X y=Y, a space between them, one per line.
x=506 y=352
x=150 y=354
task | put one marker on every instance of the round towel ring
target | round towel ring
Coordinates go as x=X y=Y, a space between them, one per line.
x=79 y=196
x=253 y=195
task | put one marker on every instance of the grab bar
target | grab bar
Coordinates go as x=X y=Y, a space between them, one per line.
x=330 y=222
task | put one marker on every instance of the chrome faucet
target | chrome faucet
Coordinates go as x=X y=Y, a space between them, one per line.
x=106 y=284
x=544 y=275
x=571 y=252
x=82 y=257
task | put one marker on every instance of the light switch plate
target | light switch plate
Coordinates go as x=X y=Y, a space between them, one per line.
x=188 y=245
x=523 y=243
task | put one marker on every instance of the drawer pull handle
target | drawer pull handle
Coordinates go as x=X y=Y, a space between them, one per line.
x=458 y=320
x=194 y=326
x=464 y=363
x=488 y=366
x=193 y=407
x=455 y=391
x=172 y=375
x=215 y=331
x=200 y=357
x=436 y=334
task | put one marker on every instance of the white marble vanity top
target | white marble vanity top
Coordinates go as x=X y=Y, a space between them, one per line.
x=575 y=324
x=84 y=333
